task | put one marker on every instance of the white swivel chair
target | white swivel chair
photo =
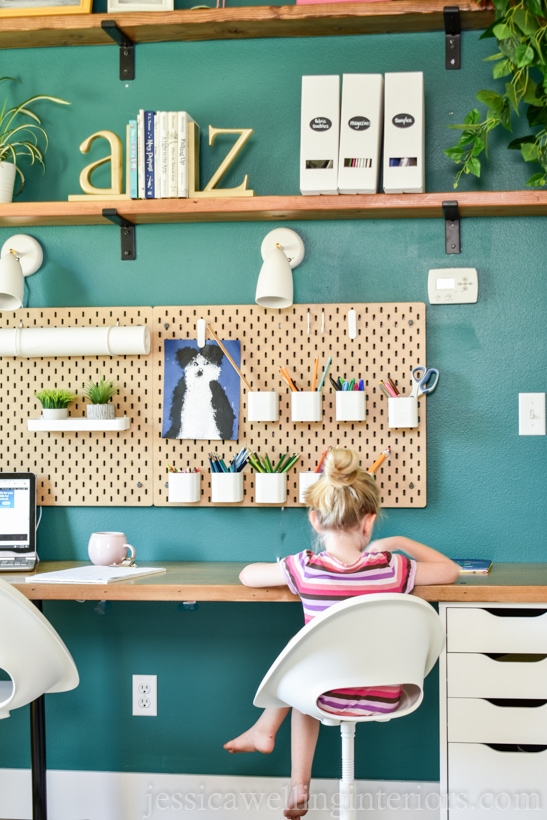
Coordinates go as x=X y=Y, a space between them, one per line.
x=37 y=662
x=370 y=640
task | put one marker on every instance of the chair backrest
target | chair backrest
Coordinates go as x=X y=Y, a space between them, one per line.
x=370 y=640
x=31 y=652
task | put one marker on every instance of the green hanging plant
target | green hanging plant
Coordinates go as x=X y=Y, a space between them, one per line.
x=21 y=132
x=520 y=29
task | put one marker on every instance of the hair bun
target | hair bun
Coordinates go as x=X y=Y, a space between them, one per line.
x=341 y=466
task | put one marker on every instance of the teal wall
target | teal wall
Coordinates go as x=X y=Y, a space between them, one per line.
x=486 y=486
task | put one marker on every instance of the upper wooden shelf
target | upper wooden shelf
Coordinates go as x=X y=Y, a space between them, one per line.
x=240 y=23
x=276 y=208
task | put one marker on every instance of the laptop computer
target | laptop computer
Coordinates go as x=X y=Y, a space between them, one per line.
x=17 y=522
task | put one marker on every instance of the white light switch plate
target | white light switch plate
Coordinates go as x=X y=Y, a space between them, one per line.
x=531 y=414
x=453 y=286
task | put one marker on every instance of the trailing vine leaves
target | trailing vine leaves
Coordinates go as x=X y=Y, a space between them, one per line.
x=520 y=29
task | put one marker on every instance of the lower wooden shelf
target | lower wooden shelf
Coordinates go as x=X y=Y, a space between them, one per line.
x=79 y=425
x=278 y=208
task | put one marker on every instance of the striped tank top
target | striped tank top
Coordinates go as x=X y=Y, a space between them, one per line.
x=321 y=581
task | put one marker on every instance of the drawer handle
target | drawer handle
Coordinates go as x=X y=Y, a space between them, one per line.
x=521 y=703
x=527 y=748
x=514 y=657
x=516 y=613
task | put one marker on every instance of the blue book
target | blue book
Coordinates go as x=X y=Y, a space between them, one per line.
x=149 y=168
x=132 y=148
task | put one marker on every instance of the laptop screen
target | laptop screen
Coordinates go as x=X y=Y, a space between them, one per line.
x=17 y=513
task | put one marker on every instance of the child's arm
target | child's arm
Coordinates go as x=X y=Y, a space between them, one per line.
x=432 y=566
x=262 y=575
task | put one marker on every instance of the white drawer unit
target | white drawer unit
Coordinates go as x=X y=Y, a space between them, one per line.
x=493 y=702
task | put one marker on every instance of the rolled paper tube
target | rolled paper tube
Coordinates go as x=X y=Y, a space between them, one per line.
x=112 y=340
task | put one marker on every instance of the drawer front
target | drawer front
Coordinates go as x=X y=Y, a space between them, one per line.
x=498 y=785
x=481 y=630
x=478 y=676
x=472 y=720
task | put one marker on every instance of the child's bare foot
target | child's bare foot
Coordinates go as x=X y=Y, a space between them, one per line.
x=297 y=802
x=253 y=740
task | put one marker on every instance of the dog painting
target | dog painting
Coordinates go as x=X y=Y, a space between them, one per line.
x=201 y=390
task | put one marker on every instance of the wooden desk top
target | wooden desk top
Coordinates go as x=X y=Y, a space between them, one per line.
x=210 y=581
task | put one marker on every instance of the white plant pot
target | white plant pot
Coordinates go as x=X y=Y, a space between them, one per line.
x=55 y=413
x=100 y=411
x=7 y=181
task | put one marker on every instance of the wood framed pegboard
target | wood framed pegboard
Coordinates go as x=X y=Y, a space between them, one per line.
x=391 y=339
x=79 y=468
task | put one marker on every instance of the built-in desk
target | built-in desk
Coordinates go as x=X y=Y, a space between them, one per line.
x=219 y=581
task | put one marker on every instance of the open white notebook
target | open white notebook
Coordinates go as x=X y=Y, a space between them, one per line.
x=92 y=575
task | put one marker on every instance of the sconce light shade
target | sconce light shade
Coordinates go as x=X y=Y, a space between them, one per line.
x=21 y=256
x=282 y=249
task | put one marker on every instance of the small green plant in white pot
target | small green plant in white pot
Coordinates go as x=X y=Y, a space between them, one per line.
x=99 y=395
x=21 y=131
x=55 y=402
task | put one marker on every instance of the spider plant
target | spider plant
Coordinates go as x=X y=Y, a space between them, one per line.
x=21 y=132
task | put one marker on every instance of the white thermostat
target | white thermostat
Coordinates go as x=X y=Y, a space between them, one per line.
x=453 y=286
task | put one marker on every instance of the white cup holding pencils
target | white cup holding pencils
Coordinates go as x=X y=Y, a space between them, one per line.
x=184 y=488
x=306 y=480
x=306 y=405
x=350 y=405
x=270 y=488
x=262 y=406
x=109 y=548
x=402 y=411
x=226 y=488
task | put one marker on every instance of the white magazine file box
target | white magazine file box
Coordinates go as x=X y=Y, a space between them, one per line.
x=404 y=133
x=361 y=128
x=319 y=134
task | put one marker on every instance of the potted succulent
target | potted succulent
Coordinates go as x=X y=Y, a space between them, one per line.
x=20 y=132
x=55 y=402
x=99 y=395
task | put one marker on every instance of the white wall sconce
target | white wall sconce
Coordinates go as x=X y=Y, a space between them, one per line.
x=21 y=256
x=282 y=249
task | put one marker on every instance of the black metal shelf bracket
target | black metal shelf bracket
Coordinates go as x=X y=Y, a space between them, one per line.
x=127 y=48
x=452 y=28
x=452 y=227
x=127 y=233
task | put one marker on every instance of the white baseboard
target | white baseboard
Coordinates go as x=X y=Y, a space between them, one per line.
x=121 y=796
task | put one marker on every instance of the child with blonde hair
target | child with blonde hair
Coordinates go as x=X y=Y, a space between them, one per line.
x=343 y=506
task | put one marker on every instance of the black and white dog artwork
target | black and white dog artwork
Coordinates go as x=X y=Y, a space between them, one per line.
x=200 y=406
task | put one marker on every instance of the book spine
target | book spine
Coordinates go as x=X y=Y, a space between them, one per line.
x=172 y=146
x=162 y=153
x=140 y=155
x=182 y=154
x=149 y=154
x=132 y=148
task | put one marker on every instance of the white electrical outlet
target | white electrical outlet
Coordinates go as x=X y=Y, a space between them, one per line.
x=531 y=414
x=145 y=695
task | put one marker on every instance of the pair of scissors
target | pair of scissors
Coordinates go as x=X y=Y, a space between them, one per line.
x=421 y=380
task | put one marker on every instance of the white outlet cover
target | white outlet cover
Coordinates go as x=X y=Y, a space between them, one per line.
x=145 y=695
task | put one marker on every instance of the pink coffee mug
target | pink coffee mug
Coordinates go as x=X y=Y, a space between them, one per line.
x=106 y=548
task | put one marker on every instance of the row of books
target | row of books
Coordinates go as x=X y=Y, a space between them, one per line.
x=158 y=154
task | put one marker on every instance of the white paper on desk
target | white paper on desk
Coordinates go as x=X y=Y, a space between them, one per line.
x=92 y=575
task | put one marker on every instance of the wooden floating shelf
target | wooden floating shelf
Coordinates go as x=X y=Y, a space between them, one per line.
x=79 y=425
x=277 y=208
x=240 y=23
